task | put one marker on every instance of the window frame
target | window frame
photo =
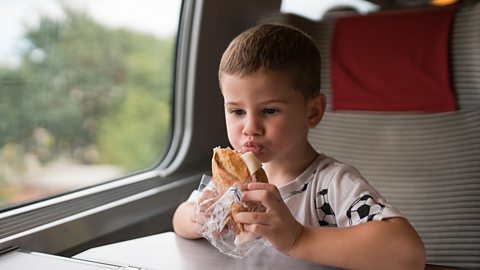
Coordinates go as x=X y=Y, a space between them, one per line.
x=86 y=217
x=26 y=224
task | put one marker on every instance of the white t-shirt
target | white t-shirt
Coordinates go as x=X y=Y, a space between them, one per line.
x=329 y=193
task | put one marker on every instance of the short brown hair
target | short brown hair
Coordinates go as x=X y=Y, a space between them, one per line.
x=275 y=47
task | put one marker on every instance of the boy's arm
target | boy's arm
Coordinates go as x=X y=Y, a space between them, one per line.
x=184 y=221
x=386 y=244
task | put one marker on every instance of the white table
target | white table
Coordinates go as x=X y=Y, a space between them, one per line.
x=169 y=251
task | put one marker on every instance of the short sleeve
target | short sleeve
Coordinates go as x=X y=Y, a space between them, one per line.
x=352 y=200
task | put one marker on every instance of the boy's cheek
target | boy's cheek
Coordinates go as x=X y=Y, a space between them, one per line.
x=234 y=140
x=233 y=123
x=234 y=133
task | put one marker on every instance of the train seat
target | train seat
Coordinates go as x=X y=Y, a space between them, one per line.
x=425 y=163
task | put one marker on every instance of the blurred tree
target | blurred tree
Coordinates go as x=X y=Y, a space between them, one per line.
x=133 y=136
x=85 y=84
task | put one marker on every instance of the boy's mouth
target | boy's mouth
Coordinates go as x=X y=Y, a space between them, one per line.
x=250 y=147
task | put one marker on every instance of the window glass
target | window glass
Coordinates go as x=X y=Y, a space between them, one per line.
x=85 y=92
x=315 y=9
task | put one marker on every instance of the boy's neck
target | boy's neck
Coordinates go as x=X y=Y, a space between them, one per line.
x=281 y=172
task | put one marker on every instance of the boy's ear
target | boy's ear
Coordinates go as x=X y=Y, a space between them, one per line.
x=316 y=110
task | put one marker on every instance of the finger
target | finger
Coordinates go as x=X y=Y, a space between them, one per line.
x=256 y=229
x=206 y=199
x=243 y=187
x=253 y=206
x=269 y=199
x=263 y=186
x=252 y=218
x=207 y=194
x=205 y=206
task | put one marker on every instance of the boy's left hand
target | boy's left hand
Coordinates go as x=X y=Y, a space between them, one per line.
x=276 y=224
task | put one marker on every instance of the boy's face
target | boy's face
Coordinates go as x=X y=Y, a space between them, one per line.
x=267 y=116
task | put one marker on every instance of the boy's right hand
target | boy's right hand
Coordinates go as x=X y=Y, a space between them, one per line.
x=203 y=209
x=276 y=224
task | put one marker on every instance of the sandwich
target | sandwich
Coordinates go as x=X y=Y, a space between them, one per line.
x=230 y=168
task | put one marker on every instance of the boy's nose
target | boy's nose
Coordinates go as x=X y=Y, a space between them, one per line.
x=252 y=126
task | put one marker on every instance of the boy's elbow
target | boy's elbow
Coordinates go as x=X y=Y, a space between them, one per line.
x=413 y=252
x=407 y=246
x=182 y=221
x=416 y=257
x=407 y=255
x=421 y=254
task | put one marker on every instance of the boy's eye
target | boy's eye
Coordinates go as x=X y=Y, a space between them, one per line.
x=270 y=111
x=237 y=112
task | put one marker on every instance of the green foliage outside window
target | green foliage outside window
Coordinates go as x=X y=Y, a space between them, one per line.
x=86 y=91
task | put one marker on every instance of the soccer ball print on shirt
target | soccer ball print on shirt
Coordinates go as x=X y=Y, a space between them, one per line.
x=362 y=210
x=364 y=207
x=325 y=213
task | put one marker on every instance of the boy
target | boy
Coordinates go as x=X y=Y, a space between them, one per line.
x=270 y=81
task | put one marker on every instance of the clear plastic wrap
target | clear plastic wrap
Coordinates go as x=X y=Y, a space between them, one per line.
x=213 y=212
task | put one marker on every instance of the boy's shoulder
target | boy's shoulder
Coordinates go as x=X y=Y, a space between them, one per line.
x=322 y=173
x=327 y=164
x=329 y=169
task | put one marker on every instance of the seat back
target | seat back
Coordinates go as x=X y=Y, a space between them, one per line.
x=426 y=164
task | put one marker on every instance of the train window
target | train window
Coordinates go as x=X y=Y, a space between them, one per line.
x=314 y=9
x=85 y=92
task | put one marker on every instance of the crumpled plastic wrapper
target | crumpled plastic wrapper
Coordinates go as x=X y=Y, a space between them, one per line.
x=213 y=212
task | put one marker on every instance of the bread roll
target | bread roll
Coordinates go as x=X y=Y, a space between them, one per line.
x=229 y=168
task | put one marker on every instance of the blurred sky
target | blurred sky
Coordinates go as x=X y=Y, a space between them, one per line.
x=158 y=17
